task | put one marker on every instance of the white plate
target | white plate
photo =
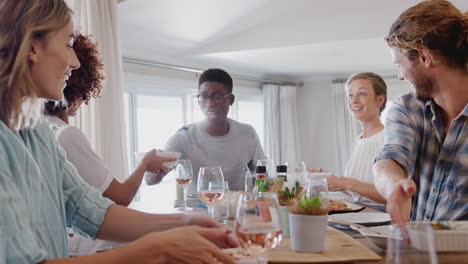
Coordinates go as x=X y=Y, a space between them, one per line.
x=361 y=218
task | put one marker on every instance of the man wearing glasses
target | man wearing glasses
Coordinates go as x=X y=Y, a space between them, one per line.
x=216 y=140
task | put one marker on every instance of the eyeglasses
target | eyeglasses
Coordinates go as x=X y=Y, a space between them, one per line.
x=216 y=98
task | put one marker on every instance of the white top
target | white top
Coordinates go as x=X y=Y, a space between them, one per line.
x=89 y=166
x=359 y=166
x=232 y=152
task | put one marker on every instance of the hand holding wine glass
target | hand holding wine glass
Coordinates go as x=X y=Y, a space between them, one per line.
x=258 y=224
x=210 y=183
x=184 y=176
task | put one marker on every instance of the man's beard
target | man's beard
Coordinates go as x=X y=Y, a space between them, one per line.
x=424 y=86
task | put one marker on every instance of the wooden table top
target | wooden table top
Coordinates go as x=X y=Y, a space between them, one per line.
x=451 y=258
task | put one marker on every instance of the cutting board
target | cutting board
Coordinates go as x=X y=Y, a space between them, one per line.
x=339 y=247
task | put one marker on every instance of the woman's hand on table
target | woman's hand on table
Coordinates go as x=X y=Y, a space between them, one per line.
x=206 y=221
x=399 y=202
x=191 y=244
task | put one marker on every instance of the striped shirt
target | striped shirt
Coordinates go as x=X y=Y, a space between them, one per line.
x=438 y=164
x=40 y=194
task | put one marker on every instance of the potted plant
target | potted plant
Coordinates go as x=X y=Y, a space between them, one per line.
x=263 y=185
x=285 y=195
x=308 y=219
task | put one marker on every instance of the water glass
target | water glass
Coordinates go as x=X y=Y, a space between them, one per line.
x=413 y=243
x=222 y=210
x=317 y=186
x=249 y=181
x=296 y=172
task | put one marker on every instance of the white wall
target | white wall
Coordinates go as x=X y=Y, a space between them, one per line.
x=314 y=100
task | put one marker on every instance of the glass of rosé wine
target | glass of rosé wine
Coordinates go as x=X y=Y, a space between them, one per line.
x=184 y=176
x=210 y=186
x=258 y=224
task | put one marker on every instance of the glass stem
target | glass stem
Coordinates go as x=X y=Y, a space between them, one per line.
x=210 y=210
x=184 y=205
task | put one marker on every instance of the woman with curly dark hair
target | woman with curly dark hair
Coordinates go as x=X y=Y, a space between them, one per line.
x=86 y=83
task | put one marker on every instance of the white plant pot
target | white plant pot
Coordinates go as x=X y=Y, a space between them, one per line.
x=308 y=232
x=284 y=212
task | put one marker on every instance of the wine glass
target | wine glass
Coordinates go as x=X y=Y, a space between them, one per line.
x=411 y=243
x=258 y=224
x=184 y=176
x=210 y=186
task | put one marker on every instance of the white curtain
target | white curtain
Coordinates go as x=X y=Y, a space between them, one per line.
x=346 y=128
x=288 y=123
x=102 y=120
x=281 y=135
x=272 y=130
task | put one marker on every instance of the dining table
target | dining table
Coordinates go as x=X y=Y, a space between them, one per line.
x=344 y=240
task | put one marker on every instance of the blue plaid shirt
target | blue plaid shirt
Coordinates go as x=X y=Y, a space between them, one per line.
x=414 y=138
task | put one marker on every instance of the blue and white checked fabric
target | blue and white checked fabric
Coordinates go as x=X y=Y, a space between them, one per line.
x=41 y=193
x=438 y=165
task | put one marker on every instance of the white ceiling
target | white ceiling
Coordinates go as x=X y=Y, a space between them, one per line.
x=291 y=40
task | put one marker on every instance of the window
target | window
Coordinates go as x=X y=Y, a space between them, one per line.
x=153 y=125
x=153 y=114
x=251 y=112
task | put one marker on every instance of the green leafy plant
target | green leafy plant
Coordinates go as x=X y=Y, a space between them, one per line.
x=315 y=202
x=263 y=185
x=312 y=206
x=287 y=195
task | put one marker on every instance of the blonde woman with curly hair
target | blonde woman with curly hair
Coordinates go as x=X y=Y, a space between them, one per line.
x=40 y=191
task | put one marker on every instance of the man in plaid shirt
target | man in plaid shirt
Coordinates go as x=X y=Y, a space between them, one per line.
x=422 y=169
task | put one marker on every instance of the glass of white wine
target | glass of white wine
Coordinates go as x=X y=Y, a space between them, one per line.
x=184 y=176
x=210 y=186
x=258 y=224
